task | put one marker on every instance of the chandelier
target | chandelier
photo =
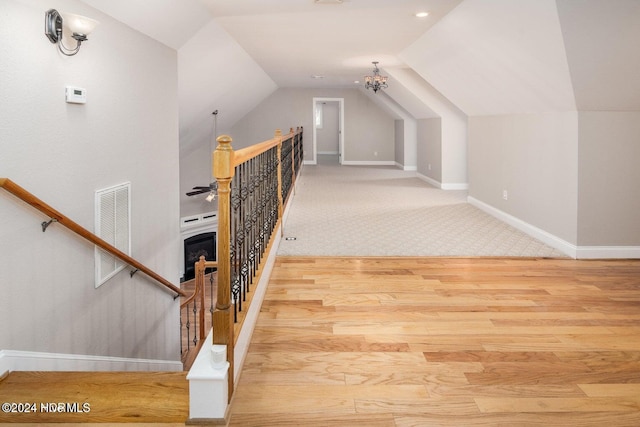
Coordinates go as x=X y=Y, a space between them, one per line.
x=375 y=82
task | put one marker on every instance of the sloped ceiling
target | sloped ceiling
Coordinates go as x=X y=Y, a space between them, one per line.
x=215 y=73
x=602 y=40
x=171 y=22
x=485 y=56
x=497 y=57
x=295 y=39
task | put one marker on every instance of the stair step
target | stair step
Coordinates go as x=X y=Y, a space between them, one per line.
x=117 y=397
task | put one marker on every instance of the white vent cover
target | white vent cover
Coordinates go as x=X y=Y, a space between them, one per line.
x=113 y=210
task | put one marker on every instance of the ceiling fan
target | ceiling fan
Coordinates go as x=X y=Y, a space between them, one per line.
x=212 y=188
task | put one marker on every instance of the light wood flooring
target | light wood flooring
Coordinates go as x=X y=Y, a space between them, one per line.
x=122 y=397
x=406 y=342
x=444 y=342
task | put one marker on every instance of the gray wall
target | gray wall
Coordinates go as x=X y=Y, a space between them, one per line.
x=430 y=148
x=609 y=179
x=367 y=129
x=63 y=153
x=534 y=158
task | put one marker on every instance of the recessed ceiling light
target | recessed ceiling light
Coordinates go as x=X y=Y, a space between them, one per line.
x=422 y=14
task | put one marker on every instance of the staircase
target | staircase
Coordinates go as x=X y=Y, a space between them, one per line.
x=95 y=397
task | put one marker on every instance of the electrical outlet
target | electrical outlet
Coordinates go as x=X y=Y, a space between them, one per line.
x=429 y=166
x=375 y=153
x=505 y=194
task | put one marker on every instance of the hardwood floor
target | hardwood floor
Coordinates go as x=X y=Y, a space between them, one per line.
x=96 y=397
x=444 y=342
x=405 y=342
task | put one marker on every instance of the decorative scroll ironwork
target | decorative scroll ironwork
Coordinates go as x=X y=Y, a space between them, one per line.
x=254 y=214
x=287 y=167
x=193 y=322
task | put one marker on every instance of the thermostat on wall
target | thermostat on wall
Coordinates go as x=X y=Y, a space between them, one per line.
x=76 y=95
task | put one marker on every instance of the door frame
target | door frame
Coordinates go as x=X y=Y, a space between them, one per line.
x=340 y=101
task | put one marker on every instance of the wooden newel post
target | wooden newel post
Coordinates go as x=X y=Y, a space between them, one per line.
x=223 y=171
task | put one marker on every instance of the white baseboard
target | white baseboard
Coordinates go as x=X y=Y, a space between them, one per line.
x=445 y=186
x=608 y=252
x=455 y=186
x=577 y=252
x=15 y=360
x=405 y=167
x=533 y=231
x=369 y=162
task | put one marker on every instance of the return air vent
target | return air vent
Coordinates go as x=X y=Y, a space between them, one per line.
x=112 y=225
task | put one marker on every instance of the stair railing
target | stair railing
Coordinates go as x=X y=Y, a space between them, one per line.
x=194 y=324
x=56 y=216
x=253 y=185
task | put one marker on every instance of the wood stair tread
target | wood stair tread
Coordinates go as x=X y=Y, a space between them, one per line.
x=117 y=397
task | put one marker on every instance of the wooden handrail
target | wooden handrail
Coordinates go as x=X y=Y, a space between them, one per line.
x=243 y=154
x=32 y=200
x=225 y=161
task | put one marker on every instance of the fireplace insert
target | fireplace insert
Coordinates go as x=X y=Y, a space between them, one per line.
x=194 y=248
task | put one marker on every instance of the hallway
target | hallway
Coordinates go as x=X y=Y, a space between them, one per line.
x=384 y=211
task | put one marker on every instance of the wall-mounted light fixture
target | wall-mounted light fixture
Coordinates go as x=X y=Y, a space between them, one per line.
x=79 y=26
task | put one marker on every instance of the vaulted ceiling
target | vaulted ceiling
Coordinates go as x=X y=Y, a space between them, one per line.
x=483 y=56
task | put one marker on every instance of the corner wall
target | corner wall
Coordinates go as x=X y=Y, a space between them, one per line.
x=367 y=129
x=608 y=195
x=63 y=153
x=533 y=158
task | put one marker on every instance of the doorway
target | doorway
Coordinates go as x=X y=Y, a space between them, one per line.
x=328 y=137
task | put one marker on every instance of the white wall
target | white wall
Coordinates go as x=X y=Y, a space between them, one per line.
x=609 y=198
x=367 y=128
x=532 y=157
x=430 y=148
x=453 y=123
x=63 y=153
x=214 y=73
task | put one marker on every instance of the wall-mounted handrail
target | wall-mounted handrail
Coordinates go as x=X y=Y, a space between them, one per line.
x=32 y=200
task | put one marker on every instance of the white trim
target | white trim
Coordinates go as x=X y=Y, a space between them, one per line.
x=15 y=360
x=438 y=184
x=429 y=180
x=369 y=162
x=545 y=237
x=455 y=186
x=406 y=168
x=340 y=128
x=608 y=252
x=198 y=220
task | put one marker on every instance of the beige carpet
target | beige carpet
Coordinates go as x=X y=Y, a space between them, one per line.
x=384 y=211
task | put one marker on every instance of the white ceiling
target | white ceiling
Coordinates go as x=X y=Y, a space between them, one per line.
x=292 y=39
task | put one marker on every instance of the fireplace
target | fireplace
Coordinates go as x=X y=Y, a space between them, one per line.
x=194 y=248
